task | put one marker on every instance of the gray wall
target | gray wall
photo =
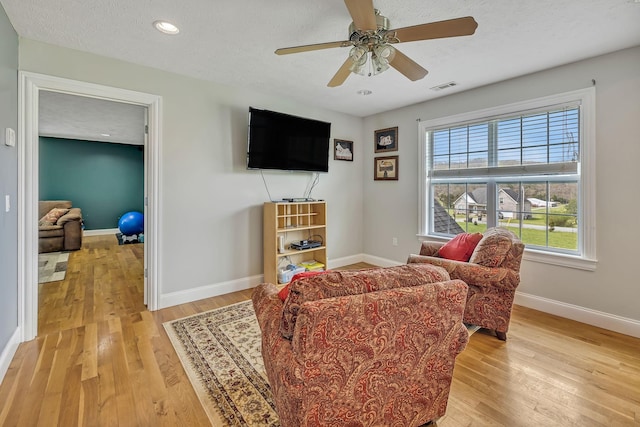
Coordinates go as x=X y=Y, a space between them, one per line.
x=210 y=204
x=8 y=181
x=613 y=287
x=104 y=180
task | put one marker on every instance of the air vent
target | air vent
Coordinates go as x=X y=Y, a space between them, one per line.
x=444 y=86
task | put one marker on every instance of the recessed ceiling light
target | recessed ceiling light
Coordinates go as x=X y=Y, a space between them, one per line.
x=364 y=92
x=166 y=27
x=105 y=134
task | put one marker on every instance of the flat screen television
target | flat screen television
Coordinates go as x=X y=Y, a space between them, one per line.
x=285 y=142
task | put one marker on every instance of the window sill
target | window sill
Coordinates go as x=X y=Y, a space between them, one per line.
x=562 y=260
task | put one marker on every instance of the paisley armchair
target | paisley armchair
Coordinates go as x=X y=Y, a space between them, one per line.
x=367 y=348
x=492 y=273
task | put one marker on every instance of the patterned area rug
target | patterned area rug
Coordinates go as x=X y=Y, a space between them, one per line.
x=52 y=266
x=221 y=353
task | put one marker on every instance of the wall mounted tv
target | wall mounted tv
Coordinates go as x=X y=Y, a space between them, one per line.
x=285 y=142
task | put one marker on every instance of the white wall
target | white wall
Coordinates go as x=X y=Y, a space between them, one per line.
x=211 y=205
x=391 y=208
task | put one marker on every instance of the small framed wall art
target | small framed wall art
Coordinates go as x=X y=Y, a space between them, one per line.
x=386 y=140
x=342 y=150
x=385 y=168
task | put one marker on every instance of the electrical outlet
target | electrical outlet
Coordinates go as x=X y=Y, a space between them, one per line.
x=394 y=241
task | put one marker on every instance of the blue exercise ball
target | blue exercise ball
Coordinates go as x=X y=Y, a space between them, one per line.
x=131 y=223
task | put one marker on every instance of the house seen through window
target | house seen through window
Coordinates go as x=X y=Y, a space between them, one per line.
x=520 y=166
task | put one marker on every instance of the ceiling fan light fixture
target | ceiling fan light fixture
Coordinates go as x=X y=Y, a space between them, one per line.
x=359 y=57
x=381 y=57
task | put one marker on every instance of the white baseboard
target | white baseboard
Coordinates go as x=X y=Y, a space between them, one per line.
x=347 y=260
x=101 y=232
x=600 y=319
x=208 y=291
x=382 y=262
x=354 y=259
x=8 y=352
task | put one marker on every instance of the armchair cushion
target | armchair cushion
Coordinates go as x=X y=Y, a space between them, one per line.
x=342 y=283
x=493 y=248
x=461 y=247
x=51 y=218
x=284 y=292
x=74 y=214
x=472 y=274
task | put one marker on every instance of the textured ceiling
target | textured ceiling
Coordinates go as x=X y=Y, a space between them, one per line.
x=76 y=117
x=232 y=41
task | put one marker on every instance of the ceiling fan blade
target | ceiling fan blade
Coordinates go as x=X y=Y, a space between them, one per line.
x=342 y=74
x=412 y=70
x=362 y=13
x=436 y=30
x=310 y=47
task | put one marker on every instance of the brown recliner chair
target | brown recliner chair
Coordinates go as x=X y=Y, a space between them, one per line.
x=63 y=235
x=492 y=274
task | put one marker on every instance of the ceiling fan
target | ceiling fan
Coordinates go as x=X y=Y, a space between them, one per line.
x=371 y=40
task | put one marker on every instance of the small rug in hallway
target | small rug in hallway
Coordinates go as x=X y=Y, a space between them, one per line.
x=52 y=266
x=220 y=351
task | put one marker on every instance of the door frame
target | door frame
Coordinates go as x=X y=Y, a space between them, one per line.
x=30 y=85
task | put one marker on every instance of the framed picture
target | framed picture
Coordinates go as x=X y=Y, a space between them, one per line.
x=342 y=150
x=385 y=168
x=386 y=140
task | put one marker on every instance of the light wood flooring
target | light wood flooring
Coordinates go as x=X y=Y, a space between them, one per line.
x=101 y=359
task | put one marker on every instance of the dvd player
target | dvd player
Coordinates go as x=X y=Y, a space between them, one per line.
x=298 y=199
x=305 y=244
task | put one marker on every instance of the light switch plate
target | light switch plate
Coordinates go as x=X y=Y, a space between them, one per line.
x=10 y=137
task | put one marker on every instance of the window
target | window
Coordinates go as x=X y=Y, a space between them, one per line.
x=527 y=166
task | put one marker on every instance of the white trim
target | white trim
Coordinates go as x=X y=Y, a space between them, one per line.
x=369 y=259
x=208 y=291
x=382 y=262
x=30 y=85
x=101 y=232
x=423 y=185
x=347 y=260
x=562 y=260
x=600 y=319
x=8 y=352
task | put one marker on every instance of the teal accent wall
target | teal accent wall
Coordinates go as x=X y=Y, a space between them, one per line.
x=104 y=180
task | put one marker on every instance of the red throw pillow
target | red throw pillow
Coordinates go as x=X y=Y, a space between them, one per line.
x=284 y=292
x=460 y=247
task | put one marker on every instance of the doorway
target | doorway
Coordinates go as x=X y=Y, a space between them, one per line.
x=28 y=153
